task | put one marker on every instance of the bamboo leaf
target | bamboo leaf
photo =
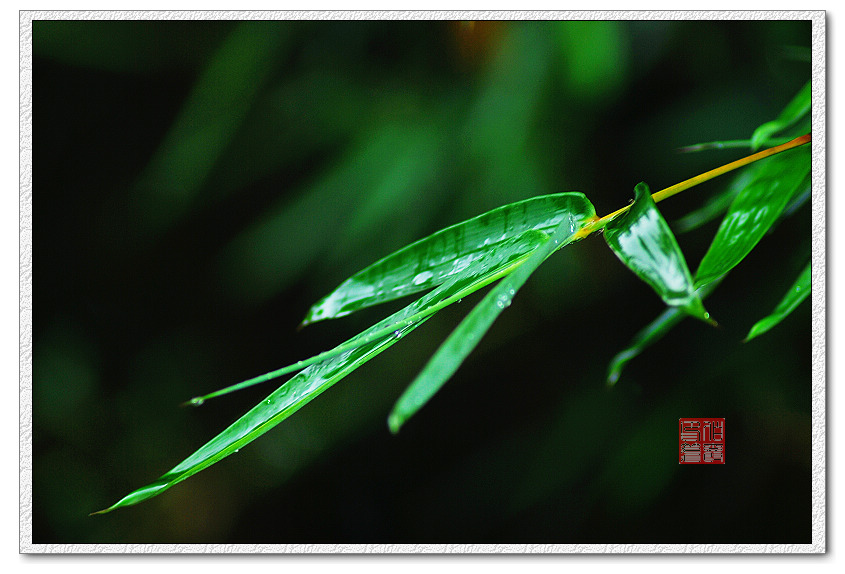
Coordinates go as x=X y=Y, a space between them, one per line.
x=469 y=332
x=753 y=212
x=642 y=240
x=491 y=266
x=796 y=294
x=646 y=337
x=328 y=368
x=278 y=406
x=794 y=111
x=430 y=261
x=650 y=334
x=716 y=205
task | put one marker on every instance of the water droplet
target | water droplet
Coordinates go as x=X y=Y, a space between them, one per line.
x=459 y=300
x=422 y=277
x=397 y=334
x=197 y=401
x=237 y=450
x=267 y=401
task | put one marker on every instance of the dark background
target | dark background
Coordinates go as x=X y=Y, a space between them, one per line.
x=198 y=185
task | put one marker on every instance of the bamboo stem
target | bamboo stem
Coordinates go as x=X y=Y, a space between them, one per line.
x=599 y=223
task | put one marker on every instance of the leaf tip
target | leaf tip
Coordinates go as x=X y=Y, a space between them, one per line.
x=194 y=402
x=753 y=333
x=394 y=422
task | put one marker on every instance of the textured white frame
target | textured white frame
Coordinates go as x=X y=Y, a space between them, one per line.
x=819 y=307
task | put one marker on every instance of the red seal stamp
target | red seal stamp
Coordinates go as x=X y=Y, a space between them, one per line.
x=701 y=441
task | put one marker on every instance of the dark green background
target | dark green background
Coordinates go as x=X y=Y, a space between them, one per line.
x=198 y=185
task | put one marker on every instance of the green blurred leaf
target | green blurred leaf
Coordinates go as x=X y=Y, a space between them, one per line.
x=260 y=261
x=796 y=294
x=215 y=109
x=754 y=211
x=794 y=111
x=595 y=58
x=468 y=334
x=642 y=240
x=802 y=194
x=650 y=334
x=732 y=144
x=430 y=261
x=126 y=46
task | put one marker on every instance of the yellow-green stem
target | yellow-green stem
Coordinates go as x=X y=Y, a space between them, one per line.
x=599 y=223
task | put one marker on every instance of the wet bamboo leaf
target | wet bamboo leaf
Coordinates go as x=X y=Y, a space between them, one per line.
x=278 y=406
x=717 y=205
x=754 y=211
x=467 y=335
x=650 y=334
x=491 y=266
x=796 y=294
x=326 y=369
x=430 y=261
x=642 y=240
x=794 y=111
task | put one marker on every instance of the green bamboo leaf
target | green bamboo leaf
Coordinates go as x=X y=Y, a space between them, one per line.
x=467 y=335
x=430 y=261
x=794 y=111
x=754 y=211
x=492 y=265
x=650 y=334
x=796 y=294
x=326 y=369
x=642 y=240
x=278 y=406
x=645 y=338
x=716 y=205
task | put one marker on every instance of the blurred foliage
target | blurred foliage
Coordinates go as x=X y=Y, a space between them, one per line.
x=198 y=185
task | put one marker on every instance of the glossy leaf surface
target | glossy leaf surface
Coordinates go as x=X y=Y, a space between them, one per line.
x=794 y=111
x=431 y=261
x=642 y=240
x=277 y=407
x=469 y=332
x=716 y=205
x=796 y=294
x=490 y=266
x=330 y=367
x=754 y=211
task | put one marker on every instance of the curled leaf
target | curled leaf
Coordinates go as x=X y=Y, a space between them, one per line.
x=642 y=240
